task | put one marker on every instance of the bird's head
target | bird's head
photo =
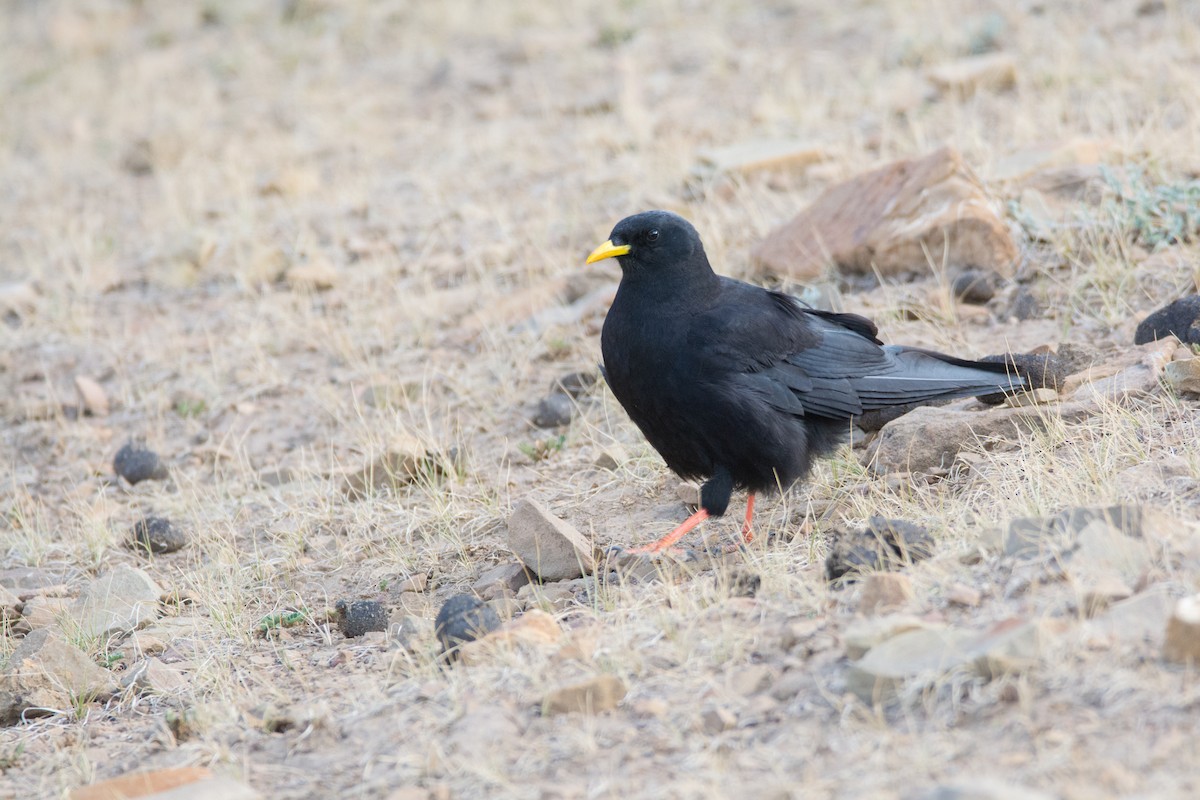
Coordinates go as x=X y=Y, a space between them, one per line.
x=653 y=241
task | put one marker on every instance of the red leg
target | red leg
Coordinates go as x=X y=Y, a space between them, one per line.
x=747 y=532
x=672 y=537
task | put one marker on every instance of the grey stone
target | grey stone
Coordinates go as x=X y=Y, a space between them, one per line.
x=45 y=673
x=359 y=617
x=117 y=603
x=547 y=545
x=501 y=580
x=156 y=535
x=554 y=411
x=136 y=463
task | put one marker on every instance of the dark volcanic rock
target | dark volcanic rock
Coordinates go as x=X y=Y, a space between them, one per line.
x=135 y=463
x=156 y=535
x=360 y=616
x=553 y=411
x=975 y=286
x=463 y=619
x=885 y=544
x=1181 y=319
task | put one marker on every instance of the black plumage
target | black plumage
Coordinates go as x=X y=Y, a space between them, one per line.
x=740 y=386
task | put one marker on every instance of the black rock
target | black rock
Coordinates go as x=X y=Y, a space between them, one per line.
x=156 y=535
x=554 y=411
x=885 y=544
x=135 y=463
x=360 y=616
x=575 y=384
x=463 y=619
x=1181 y=319
x=974 y=286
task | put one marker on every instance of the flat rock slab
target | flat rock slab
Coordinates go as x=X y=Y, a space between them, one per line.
x=547 y=545
x=117 y=603
x=894 y=220
x=178 y=783
x=46 y=673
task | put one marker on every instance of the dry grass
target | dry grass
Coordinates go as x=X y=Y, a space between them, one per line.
x=161 y=164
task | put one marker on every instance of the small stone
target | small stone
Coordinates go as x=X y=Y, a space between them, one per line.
x=867 y=633
x=1180 y=319
x=44 y=672
x=1036 y=397
x=1040 y=370
x=1024 y=305
x=45 y=612
x=688 y=493
x=1008 y=647
x=592 y=696
x=135 y=463
x=533 y=629
x=611 y=458
x=966 y=76
x=883 y=591
x=547 y=545
x=962 y=595
x=575 y=384
x=1182 y=642
x=554 y=411
x=1101 y=592
x=651 y=707
x=117 y=603
x=314 y=275
x=717 y=720
x=501 y=580
x=414 y=583
x=92 y=395
x=887 y=221
x=156 y=535
x=1184 y=376
x=974 y=286
x=151 y=674
x=463 y=619
x=358 y=617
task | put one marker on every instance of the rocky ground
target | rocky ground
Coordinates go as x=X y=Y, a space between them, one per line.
x=298 y=345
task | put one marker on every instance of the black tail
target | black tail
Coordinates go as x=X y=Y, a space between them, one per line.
x=918 y=376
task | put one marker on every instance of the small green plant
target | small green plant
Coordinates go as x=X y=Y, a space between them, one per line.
x=1155 y=215
x=283 y=619
x=188 y=407
x=543 y=448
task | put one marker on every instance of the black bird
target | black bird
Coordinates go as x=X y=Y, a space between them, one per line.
x=741 y=386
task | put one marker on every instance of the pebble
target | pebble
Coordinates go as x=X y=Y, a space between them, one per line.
x=974 y=286
x=591 y=696
x=463 y=619
x=501 y=580
x=554 y=411
x=156 y=535
x=1182 y=643
x=92 y=395
x=962 y=595
x=358 y=617
x=45 y=672
x=135 y=463
x=717 y=720
x=117 y=603
x=574 y=384
x=885 y=591
x=1184 y=375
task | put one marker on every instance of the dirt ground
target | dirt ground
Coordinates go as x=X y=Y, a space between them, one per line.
x=281 y=236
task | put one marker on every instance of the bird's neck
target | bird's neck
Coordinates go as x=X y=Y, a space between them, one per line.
x=689 y=283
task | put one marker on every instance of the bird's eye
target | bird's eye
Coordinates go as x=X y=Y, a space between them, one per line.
x=652 y=236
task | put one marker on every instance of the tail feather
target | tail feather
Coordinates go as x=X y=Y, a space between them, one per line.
x=921 y=376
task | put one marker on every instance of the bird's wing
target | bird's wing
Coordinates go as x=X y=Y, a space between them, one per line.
x=816 y=363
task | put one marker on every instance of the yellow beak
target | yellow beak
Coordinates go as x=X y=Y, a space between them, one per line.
x=607 y=250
